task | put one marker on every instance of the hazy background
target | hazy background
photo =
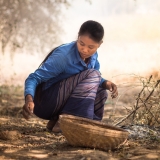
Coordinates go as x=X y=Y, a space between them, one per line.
x=131 y=43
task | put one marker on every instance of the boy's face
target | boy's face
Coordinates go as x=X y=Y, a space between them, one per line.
x=86 y=46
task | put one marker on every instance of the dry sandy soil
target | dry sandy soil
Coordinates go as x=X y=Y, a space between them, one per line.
x=31 y=140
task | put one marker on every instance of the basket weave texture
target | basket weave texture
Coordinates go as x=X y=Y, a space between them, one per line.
x=90 y=133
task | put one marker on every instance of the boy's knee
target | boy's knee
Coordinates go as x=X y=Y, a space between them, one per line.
x=94 y=72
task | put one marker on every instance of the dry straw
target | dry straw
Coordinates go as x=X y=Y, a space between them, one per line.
x=89 y=133
x=146 y=110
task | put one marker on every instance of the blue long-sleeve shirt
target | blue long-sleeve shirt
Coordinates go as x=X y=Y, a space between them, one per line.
x=64 y=62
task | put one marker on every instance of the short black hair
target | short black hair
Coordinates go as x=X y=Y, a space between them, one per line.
x=93 y=29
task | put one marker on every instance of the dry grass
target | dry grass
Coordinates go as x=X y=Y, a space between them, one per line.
x=146 y=107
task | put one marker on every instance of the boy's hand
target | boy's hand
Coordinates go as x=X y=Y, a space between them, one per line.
x=28 y=107
x=111 y=87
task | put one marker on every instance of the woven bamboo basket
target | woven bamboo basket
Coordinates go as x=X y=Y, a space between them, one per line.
x=90 y=133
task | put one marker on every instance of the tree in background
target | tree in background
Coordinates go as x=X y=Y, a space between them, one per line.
x=28 y=23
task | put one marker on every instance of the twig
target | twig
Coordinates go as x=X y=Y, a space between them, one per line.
x=128 y=110
x=136 y=106
x=150 y=112
x=152 y=91
x=140 y=95
x=127 y=116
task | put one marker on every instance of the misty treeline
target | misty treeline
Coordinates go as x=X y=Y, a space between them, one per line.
x=31 y=24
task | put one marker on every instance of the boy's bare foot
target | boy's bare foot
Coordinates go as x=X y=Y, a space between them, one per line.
x=56 y=128
x=53 y=126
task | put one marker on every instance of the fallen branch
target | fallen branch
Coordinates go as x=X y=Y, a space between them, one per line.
x=152 y=91
x=139 y=99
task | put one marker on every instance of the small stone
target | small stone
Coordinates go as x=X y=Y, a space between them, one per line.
x=9 y=135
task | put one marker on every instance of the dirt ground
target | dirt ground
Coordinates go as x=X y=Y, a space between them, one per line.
x=31 y=140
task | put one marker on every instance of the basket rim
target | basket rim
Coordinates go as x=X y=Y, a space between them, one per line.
x=102 y=133
x=102 y=124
